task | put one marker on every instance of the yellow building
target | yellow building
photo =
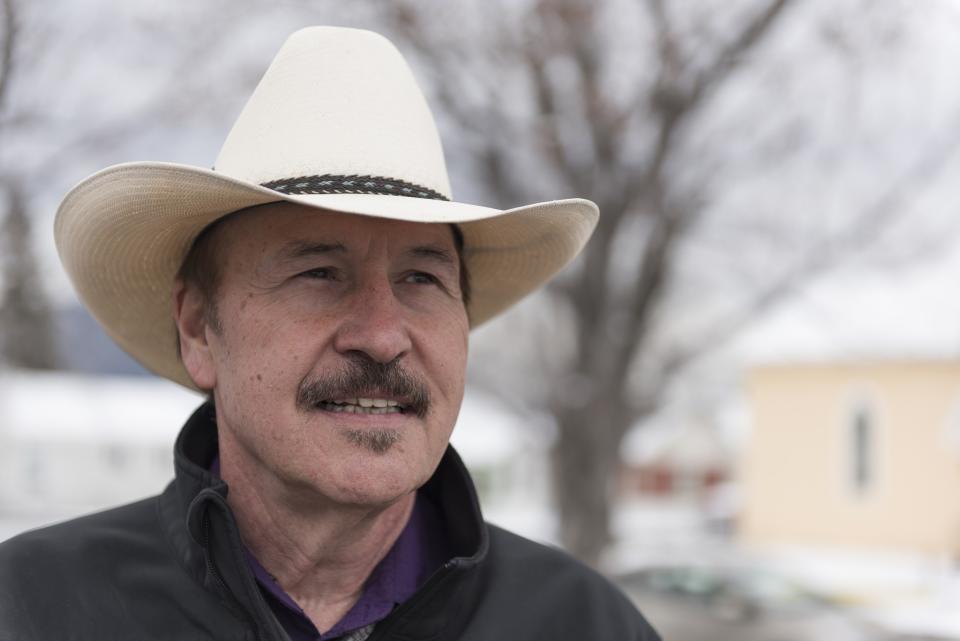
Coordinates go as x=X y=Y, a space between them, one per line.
x=864 y=454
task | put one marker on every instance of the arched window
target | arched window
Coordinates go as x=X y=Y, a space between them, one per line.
x=862 y=457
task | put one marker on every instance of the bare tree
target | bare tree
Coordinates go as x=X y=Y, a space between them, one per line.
x=25 y=318
x=28 y=334
x=7 y=45
x=562 y=97
x=620 y=101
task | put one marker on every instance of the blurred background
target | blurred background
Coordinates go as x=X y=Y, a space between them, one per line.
x=742 y=402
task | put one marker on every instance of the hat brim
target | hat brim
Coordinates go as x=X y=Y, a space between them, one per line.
x=123 y=233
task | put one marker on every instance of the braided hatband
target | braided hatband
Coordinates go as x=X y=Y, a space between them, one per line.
x=355 y=184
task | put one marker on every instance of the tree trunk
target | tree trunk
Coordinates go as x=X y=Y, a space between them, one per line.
x=26 y=324
x=585 y=456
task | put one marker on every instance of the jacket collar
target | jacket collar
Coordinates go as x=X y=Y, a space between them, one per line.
x=200 y=526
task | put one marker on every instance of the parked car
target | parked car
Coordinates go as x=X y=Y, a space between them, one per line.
x=719 y=603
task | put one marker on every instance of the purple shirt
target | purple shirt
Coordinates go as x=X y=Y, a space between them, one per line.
x=420 y=549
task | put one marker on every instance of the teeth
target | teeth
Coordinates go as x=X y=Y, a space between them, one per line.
x=344 y=406
x=368 y=402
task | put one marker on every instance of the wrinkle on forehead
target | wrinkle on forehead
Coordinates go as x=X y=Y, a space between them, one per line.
x=357 y=240
x=210 y=250
x=302 y=248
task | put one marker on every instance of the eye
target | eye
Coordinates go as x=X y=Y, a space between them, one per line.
x=421 y=278
x=321 y=273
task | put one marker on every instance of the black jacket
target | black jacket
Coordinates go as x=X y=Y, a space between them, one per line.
x=171 y=568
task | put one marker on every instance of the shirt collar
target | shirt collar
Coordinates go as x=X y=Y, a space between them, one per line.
x=420 y=549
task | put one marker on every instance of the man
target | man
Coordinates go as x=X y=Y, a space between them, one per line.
x=320 y=285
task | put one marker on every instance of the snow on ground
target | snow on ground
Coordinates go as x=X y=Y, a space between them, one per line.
x=902 y=593
x=65 y=407
x=486 y=432
x=937 y=616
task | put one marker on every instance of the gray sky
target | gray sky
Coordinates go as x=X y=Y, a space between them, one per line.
x=101 y=65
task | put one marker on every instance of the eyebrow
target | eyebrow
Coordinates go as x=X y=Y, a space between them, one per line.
x=433 y=252
x=302 y=249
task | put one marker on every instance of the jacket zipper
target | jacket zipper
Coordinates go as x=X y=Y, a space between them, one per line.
x=233 y=602
x=384 y=626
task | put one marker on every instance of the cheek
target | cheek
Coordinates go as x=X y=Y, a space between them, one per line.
x=447 y=353
x=267 y=351
x=249 y=357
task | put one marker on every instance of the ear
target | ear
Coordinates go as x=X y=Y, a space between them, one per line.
x=190 y=315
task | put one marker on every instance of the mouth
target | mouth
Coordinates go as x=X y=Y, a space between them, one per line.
x=366 y=388
x=362 y=405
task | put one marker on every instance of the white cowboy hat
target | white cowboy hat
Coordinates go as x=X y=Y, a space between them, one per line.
x=337 y=123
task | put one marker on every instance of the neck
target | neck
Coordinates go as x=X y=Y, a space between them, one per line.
x=320 y=552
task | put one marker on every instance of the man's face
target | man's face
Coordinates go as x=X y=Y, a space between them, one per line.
x=338 y=361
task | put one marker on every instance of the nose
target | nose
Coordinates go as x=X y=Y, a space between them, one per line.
x=374 y=325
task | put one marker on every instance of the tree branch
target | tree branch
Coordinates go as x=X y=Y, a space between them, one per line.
x=603 y=119
x=864 y=231
x=668 y=48
x=9 y=35
x=673 y=103
x=671 y=220
x=487 y=126
x=653 y=276
x=731 y=56
x=548 y=124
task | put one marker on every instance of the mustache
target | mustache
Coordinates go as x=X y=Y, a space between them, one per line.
x=364 y=377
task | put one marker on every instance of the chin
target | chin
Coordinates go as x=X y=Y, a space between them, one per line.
x=379 y=442
x=373 y=496
x=373 y=478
